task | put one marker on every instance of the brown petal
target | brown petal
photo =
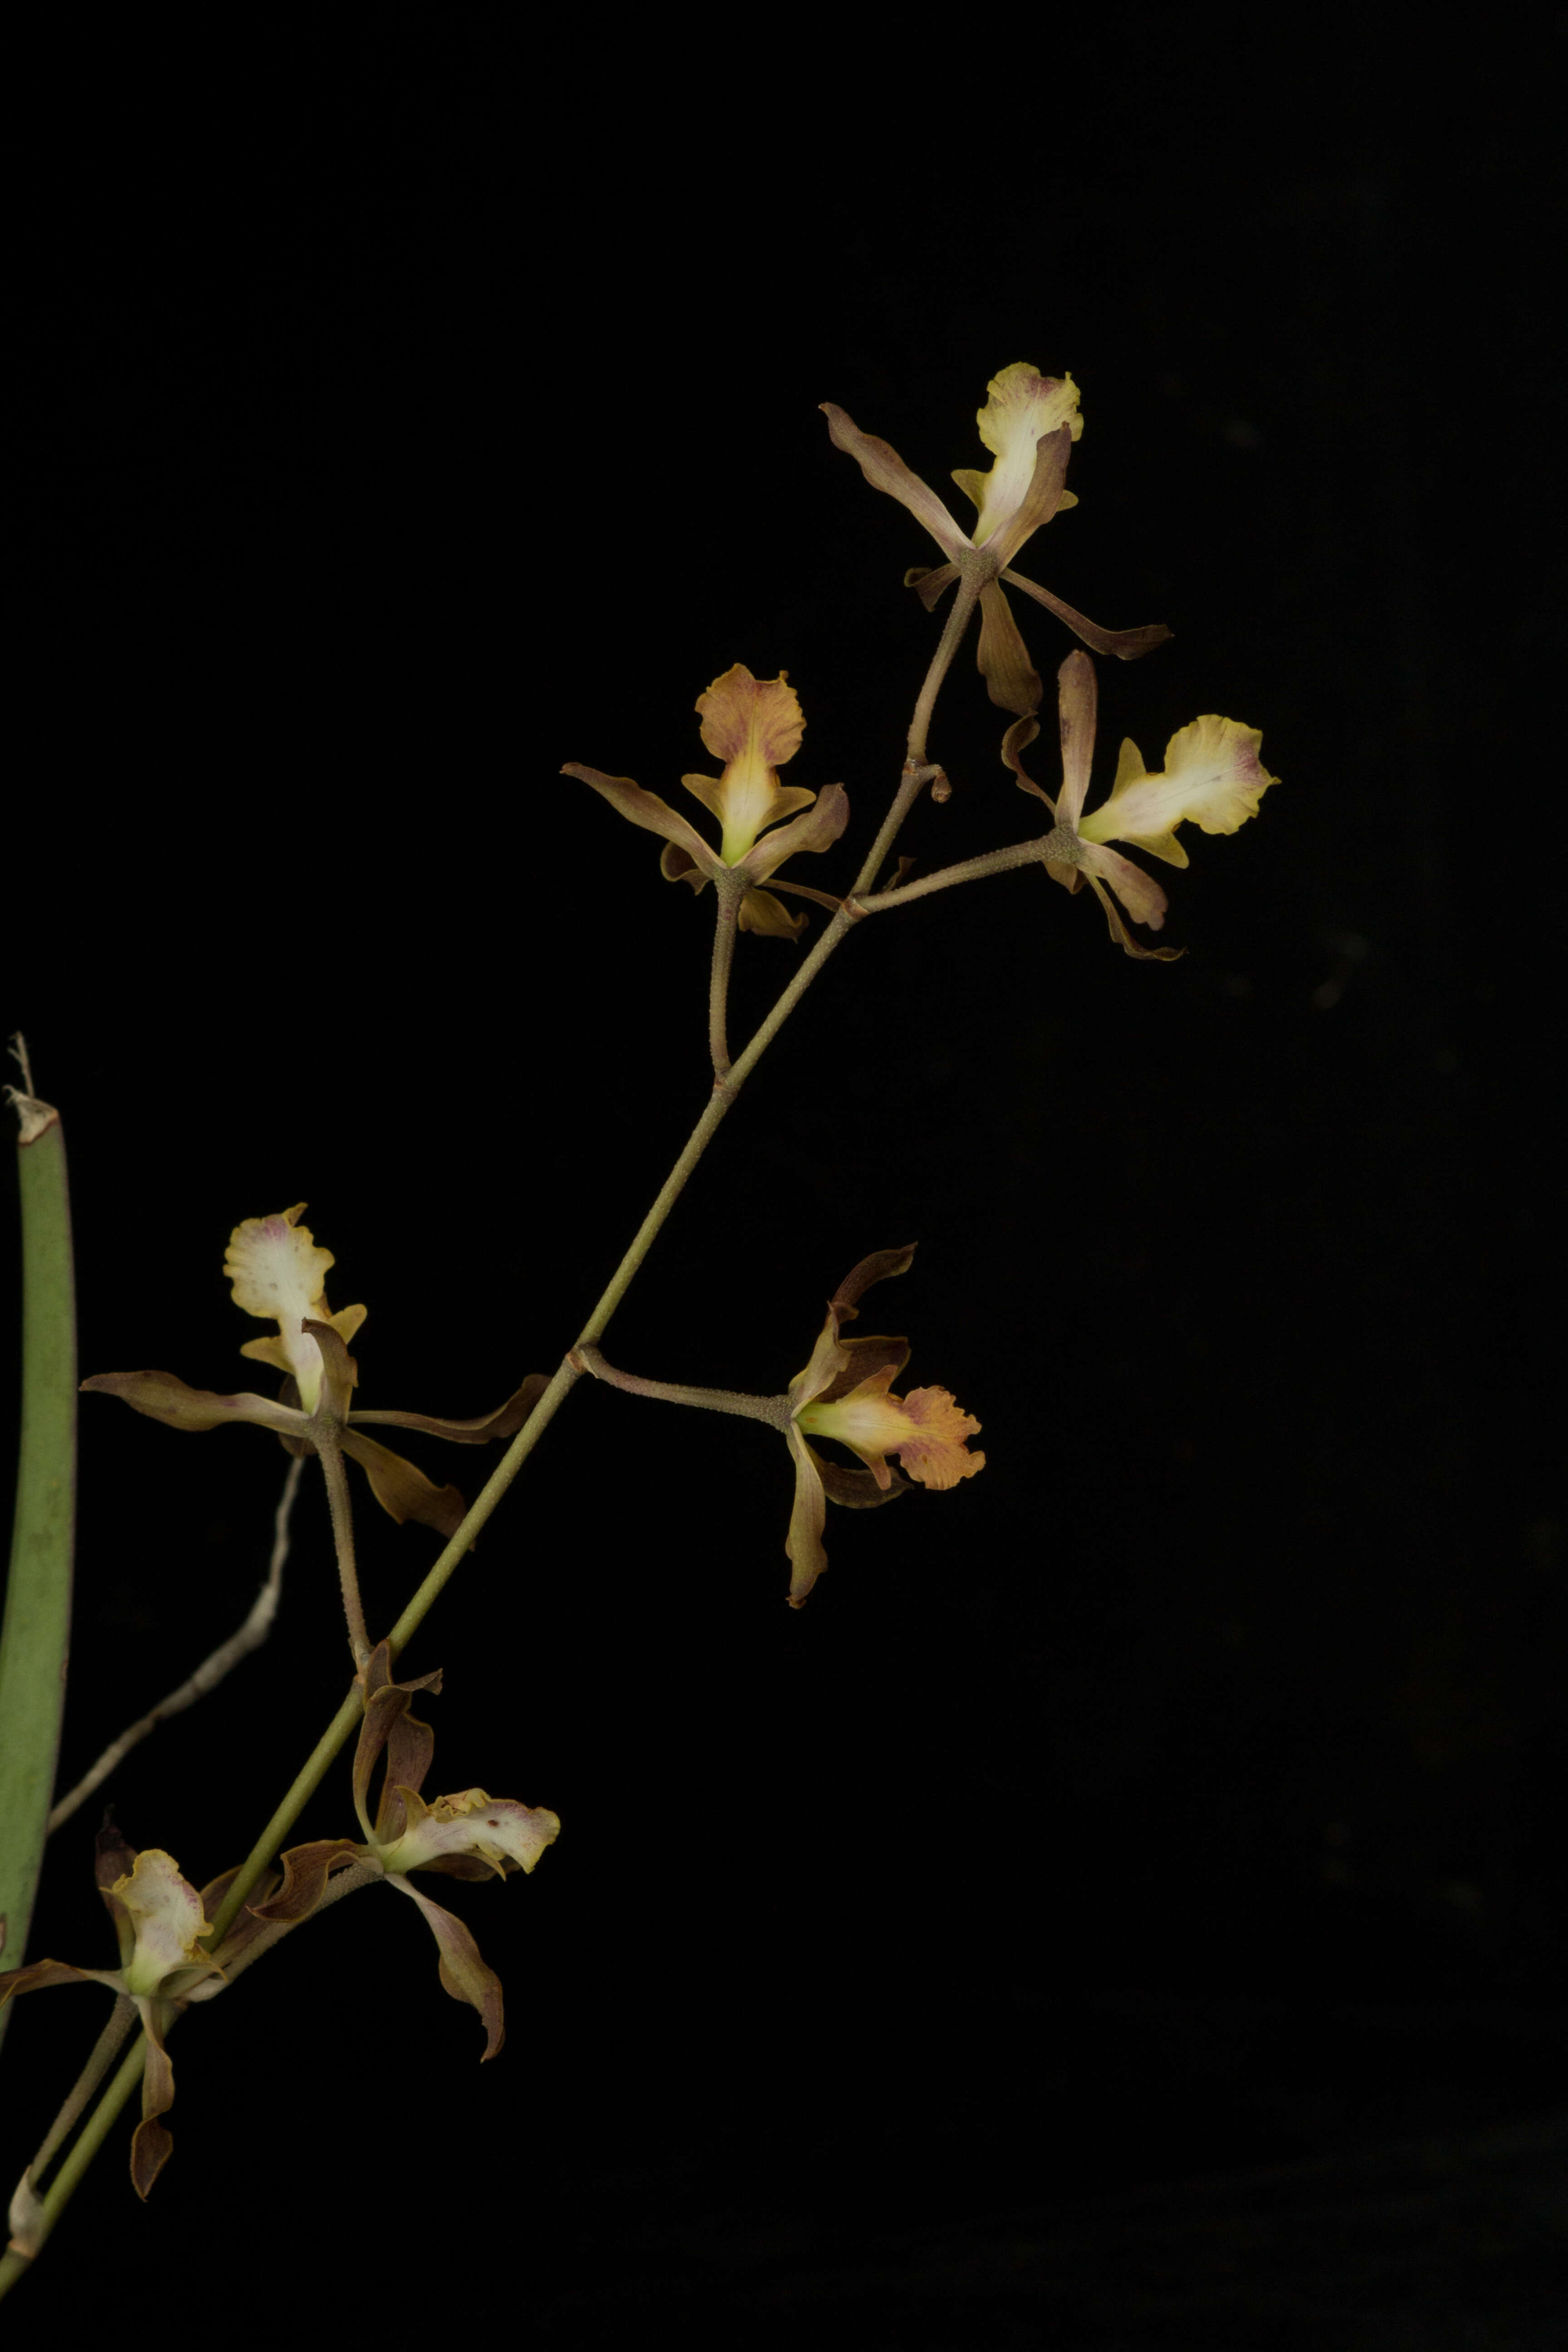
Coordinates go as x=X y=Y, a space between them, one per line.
x=762 y=912
x=856 y=1489
x=162 y=1396
x=1123 y=937
x=863 y=1358
x=1127 y=645
x=40 y=1973
x=1041 y=499
x=879 y=1267
x=463 y=1970
x=815 y=829
x=306 y=1870
x=151 y=2144
x=340 y=1373
x=504 y=1422
x=928 y=583
x=1015 y=743
x=1077 y=705
x=402 y=1490
x=886 y=470
x=1011 y=678
x=409 y=1743
x=676 y=866
x=808 y=1517
x=1139 y=892
x=648 y=811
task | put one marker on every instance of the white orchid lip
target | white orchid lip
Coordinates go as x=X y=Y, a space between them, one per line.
x=1213 y=778
x=1022 y=407
x=166 y=1916
x=496 y=1830
x=278 y=1274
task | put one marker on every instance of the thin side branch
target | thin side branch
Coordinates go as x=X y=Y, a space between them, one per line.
x=973 y=869
x=773 y=1410
x=212 y=1670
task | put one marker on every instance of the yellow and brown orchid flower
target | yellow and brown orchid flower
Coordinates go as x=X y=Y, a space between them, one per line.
x=1029 y=423
x=470 y=1836
x=277 y=1273
x=1213 y=777
x=159 y=1918
x=844 y=1393
x=754 y=725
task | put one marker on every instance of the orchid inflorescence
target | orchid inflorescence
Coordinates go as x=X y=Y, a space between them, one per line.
x=179 y=1946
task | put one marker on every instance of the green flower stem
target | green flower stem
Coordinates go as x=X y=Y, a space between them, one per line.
x=916 y=775
x=773 y=1410
x=250 y=1636
x=36 y=1635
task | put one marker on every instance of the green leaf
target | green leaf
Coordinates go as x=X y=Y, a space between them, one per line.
x=36 y=1635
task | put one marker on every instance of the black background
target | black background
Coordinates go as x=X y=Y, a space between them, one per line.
x=1179 y=1803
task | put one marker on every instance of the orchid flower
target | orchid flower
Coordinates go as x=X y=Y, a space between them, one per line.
x=754 y=725
x=1212 y=776
x=277 y=1273
x=160 y=1919
x=470 y=1836
x=844 y=1393
x=1029 y=423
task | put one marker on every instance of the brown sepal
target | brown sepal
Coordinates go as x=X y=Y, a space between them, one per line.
x=677 y=866
x=486 y=1428
x=866 y=1359
x=928 y=583
x=340 y=1373
x=1127 y=645
x=878 y=1268
x=113 y=1855
x=306 y=1870
x=40 y=1973
x=1015 y=743
x=408 y=1741
x=402 y=1491
x=151 y=2145
x=856 y=1489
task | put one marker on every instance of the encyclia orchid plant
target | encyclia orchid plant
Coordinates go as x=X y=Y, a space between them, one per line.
x=180 y=1948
